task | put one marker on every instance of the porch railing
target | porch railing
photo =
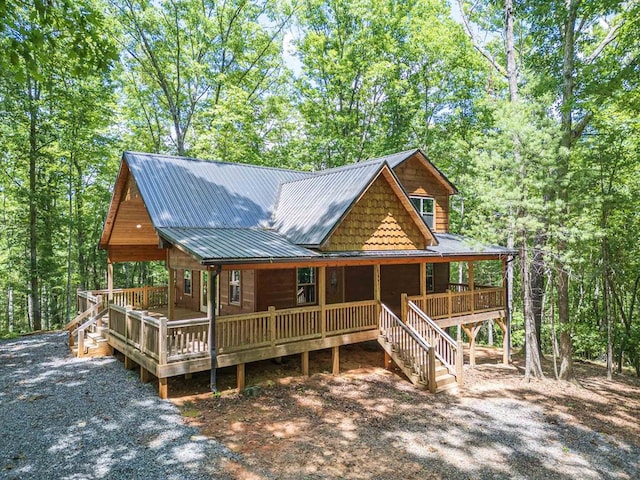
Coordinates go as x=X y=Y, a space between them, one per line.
x=140 y=298
x=172 y=341
x=458 y=303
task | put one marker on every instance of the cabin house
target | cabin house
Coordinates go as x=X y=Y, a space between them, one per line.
x=266 y=262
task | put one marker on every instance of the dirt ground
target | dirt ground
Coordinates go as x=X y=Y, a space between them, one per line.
x=369 y=422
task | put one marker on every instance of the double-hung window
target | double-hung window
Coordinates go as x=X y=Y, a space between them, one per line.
x=306 y=285
x=426 y=208
x=234 y=287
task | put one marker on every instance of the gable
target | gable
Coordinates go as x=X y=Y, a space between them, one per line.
x=378 y=221
x=419 y=178
x=131 y=223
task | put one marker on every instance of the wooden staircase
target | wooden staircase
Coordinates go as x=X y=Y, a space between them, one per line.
x=88 y=330
x=416 y=356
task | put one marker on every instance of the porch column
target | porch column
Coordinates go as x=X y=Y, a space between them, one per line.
x=376 y=289
x=211 y=315
x=110 y=279
x=471 y=280
x=322 y=298
x=171 y=294
x=423 y=284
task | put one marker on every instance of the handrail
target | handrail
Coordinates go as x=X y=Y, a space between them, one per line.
x=413 y=333
x=432 y=324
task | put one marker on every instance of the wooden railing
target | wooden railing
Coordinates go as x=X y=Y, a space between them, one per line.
x=446 y=349
x=458 y=303
x=413 y=350
x=140 y=298
x=173 y=341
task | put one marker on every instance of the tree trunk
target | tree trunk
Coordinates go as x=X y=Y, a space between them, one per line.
x=34 y=293
x=562 y=189
x=533 y=364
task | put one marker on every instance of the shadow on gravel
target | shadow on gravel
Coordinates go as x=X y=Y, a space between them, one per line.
x=374 y=425
x=70 y=418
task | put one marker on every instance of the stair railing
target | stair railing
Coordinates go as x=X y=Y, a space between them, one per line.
x=412 y=349
x=82 y=329
x=446 y=349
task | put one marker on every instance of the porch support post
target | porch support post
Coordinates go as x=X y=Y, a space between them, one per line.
x=240 y=377
x=171 y=294
x=144 y=375
x=472 y=332
x=423 y=285
x=335 y=357
x=387 y=360
x=403 y=307
x=322 y=298
x=376 y=289
x=163 y=388
x=305 y=364
x=110 y=279
x=505 y=350
x=211 y=315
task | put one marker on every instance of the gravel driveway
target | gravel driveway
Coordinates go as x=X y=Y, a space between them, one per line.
x=68 y=418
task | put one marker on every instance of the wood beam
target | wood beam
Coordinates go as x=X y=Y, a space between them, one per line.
x=135 y=253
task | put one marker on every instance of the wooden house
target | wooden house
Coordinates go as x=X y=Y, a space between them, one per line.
x=266 y=262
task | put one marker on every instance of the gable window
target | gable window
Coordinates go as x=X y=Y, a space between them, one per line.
x=306 y=285
x=429 y=267
x=234 y=287
x=187 y=282
x=426 y=208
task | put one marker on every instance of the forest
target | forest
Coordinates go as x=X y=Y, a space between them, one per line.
x=530 y=108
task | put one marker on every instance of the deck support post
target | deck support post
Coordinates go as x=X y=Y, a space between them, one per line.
x=211 y=315
x=335 y=357
x=472 y=332
x=459 y=361
x=240 y=376
x=129 y=364
x=163 y=388
x=505 y=340
x=144 y=375
x=305 y=364
x=387 y=360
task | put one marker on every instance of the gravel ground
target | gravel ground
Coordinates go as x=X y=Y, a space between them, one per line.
x=68 y=418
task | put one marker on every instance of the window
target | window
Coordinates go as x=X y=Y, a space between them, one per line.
x=306 y=285
x=234 y=287
x=429 y=277
x=425 y=207
x=187 y=282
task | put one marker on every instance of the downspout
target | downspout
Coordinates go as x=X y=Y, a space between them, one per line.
x=211 y=314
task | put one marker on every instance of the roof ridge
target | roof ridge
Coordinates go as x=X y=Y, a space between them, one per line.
x=330 y=171
x=219 y=162
x=383 y=157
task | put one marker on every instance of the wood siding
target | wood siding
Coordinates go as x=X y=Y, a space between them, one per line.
x=131 y=213
x=378 y=221
x=441 y=277
x=358 y=283
x=183 y=300
x=418 y=179
x=247 y=293
x=396 y=280
x=275 y=288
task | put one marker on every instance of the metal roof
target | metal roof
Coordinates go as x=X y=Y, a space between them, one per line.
x=308 y=209
x=184 y=192
x=209 y=245
x=452 y=244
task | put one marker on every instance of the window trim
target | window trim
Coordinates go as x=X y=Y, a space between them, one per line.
x=184 y=282
x=429 y=218
x=314 y=283
x=235 y=283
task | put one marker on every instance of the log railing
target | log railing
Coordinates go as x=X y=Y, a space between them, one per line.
x=458 y=303
x=173 y=341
